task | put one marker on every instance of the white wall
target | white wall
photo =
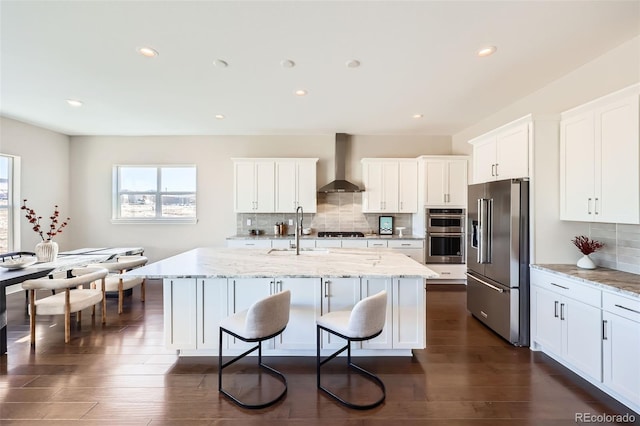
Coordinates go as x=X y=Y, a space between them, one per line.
x=92 y=159
x=44 y=178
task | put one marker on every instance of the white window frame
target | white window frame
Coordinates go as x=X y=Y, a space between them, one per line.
x=13 y=208
x=115 y=213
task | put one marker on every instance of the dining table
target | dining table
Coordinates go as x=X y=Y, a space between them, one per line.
x=65 y=262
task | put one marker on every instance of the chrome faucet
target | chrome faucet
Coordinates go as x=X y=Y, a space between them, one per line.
x=298 y=227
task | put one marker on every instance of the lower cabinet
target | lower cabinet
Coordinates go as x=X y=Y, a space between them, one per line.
x=593 y=332
x=408 y=319
x=369 y=287
x=338 y=294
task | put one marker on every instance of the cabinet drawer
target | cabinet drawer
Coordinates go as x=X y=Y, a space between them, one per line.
x=354 y=243
x=576 y=290
x=405 y=243
x=329 y=243
x=623 y=306
x=254 y=243
x=376 y=243
x=448 y=272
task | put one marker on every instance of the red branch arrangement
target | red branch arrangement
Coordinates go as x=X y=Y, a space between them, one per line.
x=54 y=228
x=585 y=245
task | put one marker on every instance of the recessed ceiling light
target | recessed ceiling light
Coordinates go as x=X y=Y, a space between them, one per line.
x=287 y=63
x=220 y=63
x=486 y=51
x=220 y=116
x=353 y=63
x=301 y=92
x=74 y=102
x=417 y=116
x=148 y=52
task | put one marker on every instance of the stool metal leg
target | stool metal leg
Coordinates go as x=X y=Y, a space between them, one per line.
x=372 y=377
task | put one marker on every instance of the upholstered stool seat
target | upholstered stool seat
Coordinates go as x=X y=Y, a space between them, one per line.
x=263 y=320
x=75 y=298
x=364 y=322
x=117 y=281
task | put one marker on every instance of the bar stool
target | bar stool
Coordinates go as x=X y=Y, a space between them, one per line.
x=263 y=320
x=364 y=322
x=73 y=299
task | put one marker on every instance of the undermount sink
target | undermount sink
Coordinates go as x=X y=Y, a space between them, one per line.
x=303 y=251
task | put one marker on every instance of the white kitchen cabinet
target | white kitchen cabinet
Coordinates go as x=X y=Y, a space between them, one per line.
x=354 y=243
x=621 y=346
x=502 y=153
x=295 y=185
x=254 y=186
x=249 y=243
x=377 y=243
x=568 y=322
x=600 y=160
x=243 y=292
x=369 y=287
x=193 y=309
x=338 y=294
x=445 y=182
x=391 y=185
x=305 y=306
x=412 y=248
x=448 y=272
x=408 y=321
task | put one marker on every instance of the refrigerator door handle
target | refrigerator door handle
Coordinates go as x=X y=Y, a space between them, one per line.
x=484 y=223
x=498 y=289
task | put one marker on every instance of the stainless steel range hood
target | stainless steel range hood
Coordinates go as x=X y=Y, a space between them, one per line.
x=340 y=184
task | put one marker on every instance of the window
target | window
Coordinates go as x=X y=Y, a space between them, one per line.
x=9 y=203
x=154 y=194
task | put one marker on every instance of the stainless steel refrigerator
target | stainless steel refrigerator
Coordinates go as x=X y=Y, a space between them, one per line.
x=498 y=257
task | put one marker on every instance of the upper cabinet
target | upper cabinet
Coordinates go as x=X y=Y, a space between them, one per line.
x=274 y=185
x=391 y=185
x=600 y=160
x=445 y=181
x=296 y=185
x=502 y=153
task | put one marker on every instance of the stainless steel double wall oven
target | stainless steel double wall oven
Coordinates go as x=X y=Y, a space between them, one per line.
x=445 y=235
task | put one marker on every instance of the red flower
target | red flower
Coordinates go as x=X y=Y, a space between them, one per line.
x=54 y=227
x=585 y=245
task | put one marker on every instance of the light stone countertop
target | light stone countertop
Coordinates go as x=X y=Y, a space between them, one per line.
x=608 y=279
x=210 y=262
x=314 y=236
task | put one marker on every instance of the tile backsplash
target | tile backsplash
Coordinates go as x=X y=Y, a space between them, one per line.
x=621 y=249
x=335 y=212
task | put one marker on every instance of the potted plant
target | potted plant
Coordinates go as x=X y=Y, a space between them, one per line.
x=47 y=249
x=586 y=247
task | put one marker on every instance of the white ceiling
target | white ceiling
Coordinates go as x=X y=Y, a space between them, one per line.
x=417 y=57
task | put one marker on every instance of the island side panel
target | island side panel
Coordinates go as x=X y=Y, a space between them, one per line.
x=409 y=314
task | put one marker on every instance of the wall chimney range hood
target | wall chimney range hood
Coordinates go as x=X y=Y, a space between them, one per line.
x=340 y=184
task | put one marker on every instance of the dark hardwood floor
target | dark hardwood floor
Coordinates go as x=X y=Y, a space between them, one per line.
x=121 y=374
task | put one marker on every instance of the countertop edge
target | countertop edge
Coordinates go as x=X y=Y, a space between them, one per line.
x=625 y=283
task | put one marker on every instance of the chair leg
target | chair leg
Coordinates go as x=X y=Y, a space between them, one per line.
x=67 y=317
x=120 y=296
x=370 y=376
x=104 y=301
x=272 y=371
x=142 y=289
x=32 y=316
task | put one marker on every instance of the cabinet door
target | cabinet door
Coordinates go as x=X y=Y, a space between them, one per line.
x=436 y=184
x=617 y=198
x=484 y=159
x=306 y=186
x=577 y=172
x=621 y=352
x=211 y=296
x=582 y=336
x=242 y=293
x=548 y=330
x=265 y=186
x=408 y=187
x=305 y=303
x=391 y=186
x=338 y=294
x=512 y=153
x=244 y=189
x=180 y=317
x=372 y=197
x=409 y=313
x=286 y=191
x=457 y=179
x=369 y=287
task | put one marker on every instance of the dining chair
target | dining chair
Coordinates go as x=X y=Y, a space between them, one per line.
x=364 y=322
x=117 y=281
x=75 y=297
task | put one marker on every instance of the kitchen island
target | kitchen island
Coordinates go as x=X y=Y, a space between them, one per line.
x=205 y=285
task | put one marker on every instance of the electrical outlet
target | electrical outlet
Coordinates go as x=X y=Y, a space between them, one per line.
x=248 y=222
x=290 y=222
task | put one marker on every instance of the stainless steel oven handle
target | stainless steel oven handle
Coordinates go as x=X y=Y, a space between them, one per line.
x=498 y=289
x=446 y=234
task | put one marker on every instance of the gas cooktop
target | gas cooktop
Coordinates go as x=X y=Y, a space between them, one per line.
x=340 y=234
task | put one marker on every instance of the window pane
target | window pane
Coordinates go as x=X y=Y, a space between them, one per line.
x=137 y=205
x=179 y=205
x=139 y=179
x=4 y=204
x=178 y=179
